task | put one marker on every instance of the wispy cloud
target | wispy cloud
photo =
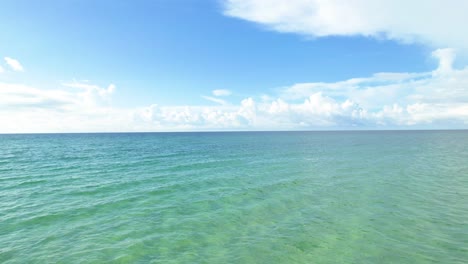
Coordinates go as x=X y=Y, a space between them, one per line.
x=20 y=97
x=15 y=65
x=215 y=100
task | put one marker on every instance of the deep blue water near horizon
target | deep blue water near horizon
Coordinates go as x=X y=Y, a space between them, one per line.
x=237 y=197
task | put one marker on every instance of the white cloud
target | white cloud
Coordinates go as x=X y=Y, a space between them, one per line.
x=14 y=64
x=91 y=94
x=91 y=87
x=221 y=92
x=446 y=58
x=433 y=22
x=435 y=99
x=1 y=69
x=20 y=96
x=24 y=108
x=215 y=100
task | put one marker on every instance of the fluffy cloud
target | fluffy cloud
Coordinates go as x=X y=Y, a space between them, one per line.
x=197 y=117
x=427 y=22
x=436 y=99
x=384 y=99
x=14 y=64
x=91 y=92
x=221 y=92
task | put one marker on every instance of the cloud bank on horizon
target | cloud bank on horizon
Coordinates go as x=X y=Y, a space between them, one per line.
x=385 y=100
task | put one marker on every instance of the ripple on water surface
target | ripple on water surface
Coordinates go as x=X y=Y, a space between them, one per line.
x=286 y=197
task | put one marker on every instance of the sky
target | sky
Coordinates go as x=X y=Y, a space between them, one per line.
x=230 y=65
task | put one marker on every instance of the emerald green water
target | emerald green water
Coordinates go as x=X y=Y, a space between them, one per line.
x=285 y=197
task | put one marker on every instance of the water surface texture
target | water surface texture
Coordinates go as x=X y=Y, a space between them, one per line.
x=264 y=197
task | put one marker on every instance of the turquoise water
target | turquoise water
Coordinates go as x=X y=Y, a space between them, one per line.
x=284 y=197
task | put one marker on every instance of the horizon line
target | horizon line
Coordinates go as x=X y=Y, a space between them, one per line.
x=239 y=131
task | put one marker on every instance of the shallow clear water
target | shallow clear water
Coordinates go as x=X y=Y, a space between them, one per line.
x=284 y=197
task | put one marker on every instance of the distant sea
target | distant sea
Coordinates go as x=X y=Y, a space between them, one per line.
x=244 y=197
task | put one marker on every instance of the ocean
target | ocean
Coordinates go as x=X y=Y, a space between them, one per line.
x=235 y=197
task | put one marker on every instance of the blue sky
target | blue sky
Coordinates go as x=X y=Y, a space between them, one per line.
x=165 y=58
